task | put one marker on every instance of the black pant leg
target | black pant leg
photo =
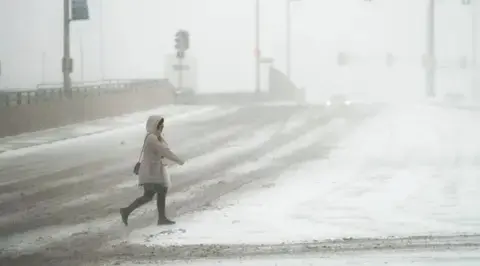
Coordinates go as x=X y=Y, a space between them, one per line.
x=161 y=201
x=147 y=196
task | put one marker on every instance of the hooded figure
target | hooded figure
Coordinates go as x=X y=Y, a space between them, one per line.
x=153 y=175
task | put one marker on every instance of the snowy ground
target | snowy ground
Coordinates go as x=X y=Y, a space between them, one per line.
x=59 y=201
x=260 y=180
x=124 y=122
x=411 y=171
x=407 y=172
x=469 y=257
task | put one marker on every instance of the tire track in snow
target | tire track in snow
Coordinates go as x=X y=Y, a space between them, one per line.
x=37 y=244
x=50 y=207
x=18 y=169
x=102 y=229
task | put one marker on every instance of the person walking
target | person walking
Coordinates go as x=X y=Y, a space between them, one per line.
x=152 y=174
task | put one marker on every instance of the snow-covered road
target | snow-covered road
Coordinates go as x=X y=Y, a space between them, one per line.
x=468 y=257
x=414 y=172
x=410 y=171
x=60 y=197
x=259 y=180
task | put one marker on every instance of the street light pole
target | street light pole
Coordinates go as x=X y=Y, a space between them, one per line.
x=66 y=62
x=43 y=66
x=81 y=60
x=102 y=61
x=257 y=46
x=474 y=49
x=430 y=50
x=289 y=37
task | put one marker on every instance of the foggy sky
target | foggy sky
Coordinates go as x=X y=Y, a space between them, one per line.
x=138 y=33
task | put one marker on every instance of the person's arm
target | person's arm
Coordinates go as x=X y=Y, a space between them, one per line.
x=163 y=150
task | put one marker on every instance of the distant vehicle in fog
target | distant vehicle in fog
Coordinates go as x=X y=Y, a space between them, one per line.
x=338 y=100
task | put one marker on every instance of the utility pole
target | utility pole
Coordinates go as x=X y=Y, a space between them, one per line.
x=289 y=37
x=180 y=74
x=182 y=44
x=0 y=74
x=474 y=50
x=67 y=61
x=102 y=61
x=82 y=69
x=430 y=50
x=257 y=46
x=43 y=66
x=79 y=12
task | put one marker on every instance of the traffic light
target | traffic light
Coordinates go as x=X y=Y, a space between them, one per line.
x=178 y=41
x=182 y=40
x=186 y=40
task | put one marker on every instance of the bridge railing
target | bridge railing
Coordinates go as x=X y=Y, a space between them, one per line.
x=54 y=91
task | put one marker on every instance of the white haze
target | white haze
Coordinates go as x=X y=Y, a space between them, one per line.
x=138 y=33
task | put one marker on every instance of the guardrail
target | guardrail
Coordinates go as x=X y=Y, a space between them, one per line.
x=54 y=92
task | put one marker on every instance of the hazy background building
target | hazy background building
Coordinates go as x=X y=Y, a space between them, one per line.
x=129 y=39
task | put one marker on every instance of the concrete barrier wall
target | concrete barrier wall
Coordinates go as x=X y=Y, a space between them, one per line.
x=39 y=116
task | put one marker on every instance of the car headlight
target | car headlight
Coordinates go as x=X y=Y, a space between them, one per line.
x=348 y=102
x=328 y=103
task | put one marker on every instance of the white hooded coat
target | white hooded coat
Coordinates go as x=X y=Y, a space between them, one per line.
x=152 y=168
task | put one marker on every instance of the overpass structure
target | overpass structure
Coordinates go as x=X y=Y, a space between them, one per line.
x=54 y=92
x=47 y=106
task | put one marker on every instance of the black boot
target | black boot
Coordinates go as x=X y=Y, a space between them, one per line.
x=161 y=201
x=125 y=212
x=165 y=221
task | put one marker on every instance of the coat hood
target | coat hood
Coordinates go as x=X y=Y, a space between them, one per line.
x=152 y=123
